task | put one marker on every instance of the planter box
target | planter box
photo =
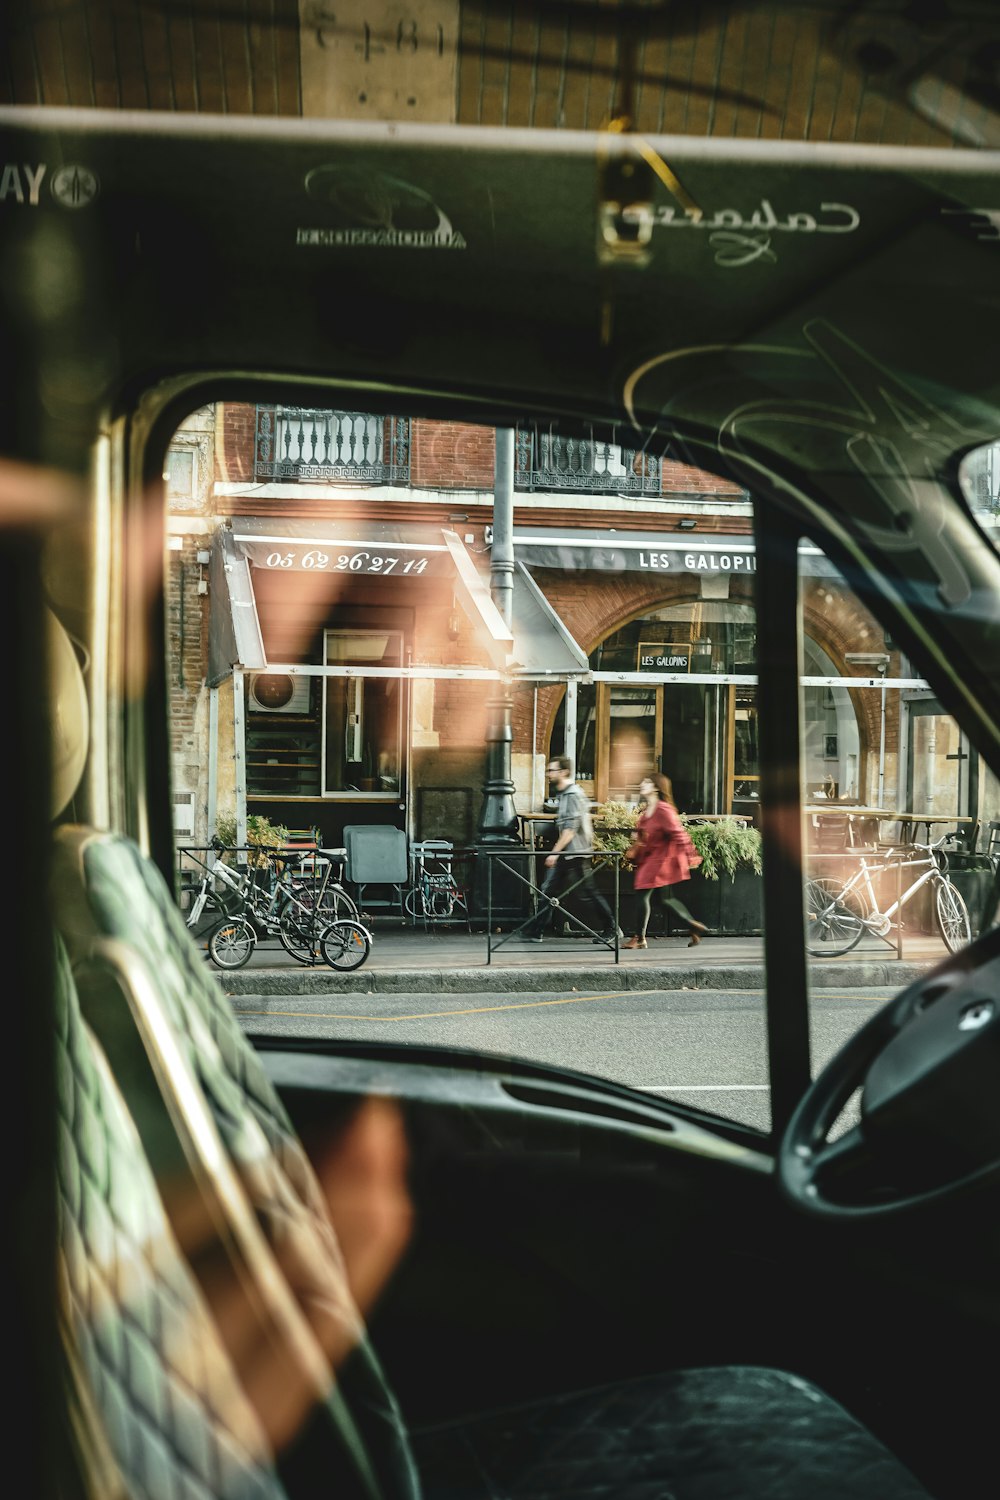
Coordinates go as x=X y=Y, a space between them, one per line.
x=728 y=908
x=972 y=877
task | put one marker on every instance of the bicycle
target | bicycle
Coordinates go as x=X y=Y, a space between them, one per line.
x=839 y=912
x=280 y=903
x=345 y=944
x=434 y=894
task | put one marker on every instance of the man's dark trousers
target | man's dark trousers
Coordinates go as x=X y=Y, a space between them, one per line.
x=567 y=870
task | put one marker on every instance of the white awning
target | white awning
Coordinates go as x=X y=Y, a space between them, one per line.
x=649 y=552
x=538 y=646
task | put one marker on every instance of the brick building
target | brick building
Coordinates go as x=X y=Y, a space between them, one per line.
x=334 y=649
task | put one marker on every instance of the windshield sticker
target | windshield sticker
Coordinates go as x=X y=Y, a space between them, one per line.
x=738 y=239
x=879 y=436
x=75 y=187
x=984 y=222
x=71 y=187
x=372 y=209
x=20 y=182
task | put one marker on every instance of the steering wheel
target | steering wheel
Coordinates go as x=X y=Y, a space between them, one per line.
x=927 y=1064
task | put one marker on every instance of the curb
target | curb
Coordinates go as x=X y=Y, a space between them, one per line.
x=498 y=981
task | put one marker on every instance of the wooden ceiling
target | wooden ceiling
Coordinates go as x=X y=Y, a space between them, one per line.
x=905 y=72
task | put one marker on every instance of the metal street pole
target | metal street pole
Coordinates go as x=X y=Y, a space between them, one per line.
x=498 y=826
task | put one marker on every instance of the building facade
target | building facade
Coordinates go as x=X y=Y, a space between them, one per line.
x=336 y=656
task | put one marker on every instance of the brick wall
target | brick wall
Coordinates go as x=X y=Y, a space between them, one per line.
x=187 y=648
x=451 y=455
x=682 y=479
x=235 y=450
x=443 y=455
x=839 y=623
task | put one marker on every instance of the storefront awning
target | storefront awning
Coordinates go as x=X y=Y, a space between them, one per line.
x=647 y=552
x=362 y=548
x=543 y=647
x=474 y=595
x=234 y=637
x=538 y=646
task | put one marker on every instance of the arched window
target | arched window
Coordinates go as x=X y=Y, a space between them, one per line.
x=689 y=710
x=831 y=745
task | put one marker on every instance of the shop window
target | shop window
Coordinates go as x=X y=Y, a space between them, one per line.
x=362 y=716
x=701 y=733
x=282 y=736
x=179 y=473
x=831 y=742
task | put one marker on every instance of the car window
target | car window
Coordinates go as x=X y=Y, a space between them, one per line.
x=340 y=670
x=336 y=670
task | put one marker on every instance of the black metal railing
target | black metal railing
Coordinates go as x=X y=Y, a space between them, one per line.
x=592 y=462
x=303 y=443
x=548 y=907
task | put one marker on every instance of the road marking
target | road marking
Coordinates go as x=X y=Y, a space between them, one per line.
x=434 y=1015
x=483 y=1010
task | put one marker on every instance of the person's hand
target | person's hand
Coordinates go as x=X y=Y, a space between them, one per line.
x=551 y=860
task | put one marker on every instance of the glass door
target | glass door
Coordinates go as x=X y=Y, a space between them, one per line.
x=691 y=744
x=631 y=725
x=941 y=772
x=741 y=757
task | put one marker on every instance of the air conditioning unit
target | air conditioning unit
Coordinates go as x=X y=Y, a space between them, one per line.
x=277 y=693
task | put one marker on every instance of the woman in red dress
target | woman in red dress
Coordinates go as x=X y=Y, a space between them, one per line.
x=663 y=855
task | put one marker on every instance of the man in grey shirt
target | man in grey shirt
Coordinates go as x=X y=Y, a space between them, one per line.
x=575 y=837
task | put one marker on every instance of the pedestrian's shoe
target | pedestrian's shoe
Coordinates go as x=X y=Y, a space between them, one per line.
x=636 y=942
x=696 y=930
x=609 y=936
x=538 y=939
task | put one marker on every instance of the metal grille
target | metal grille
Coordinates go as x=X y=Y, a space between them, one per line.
x=302 y=443
x=548 y=460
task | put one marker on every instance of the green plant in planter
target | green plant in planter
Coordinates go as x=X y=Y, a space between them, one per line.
x=726 y=845
x=723 y=846
x=260 y=831
x=614 y=829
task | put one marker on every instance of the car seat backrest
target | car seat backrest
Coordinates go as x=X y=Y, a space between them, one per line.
x=140 y=1338
x=104 y=889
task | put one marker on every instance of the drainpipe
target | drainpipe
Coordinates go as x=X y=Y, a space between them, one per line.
x=239 y=750
x=213 y=761
x=498 y=817
x=569 y=721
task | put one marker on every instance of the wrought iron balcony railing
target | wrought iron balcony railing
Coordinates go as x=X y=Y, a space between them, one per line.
x=302 y=443
x=549 y=460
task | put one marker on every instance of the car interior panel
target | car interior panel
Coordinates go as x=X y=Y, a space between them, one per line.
x=246 y=1261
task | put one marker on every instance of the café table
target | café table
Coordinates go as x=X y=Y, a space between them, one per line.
x=909 y=822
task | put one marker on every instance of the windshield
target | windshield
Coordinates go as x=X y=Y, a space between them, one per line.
x=357 y=697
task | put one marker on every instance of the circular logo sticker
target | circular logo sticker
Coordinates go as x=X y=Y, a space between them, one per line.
x=75 y=187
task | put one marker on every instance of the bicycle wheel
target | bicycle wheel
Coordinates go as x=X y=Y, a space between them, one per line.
x=442 y=901
x=231 y=943
x=345 y=945
x=413 y=902
x=953 y=916
x=299 y=934
x=833 y=926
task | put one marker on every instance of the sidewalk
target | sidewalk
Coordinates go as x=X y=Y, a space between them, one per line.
x=410 y=960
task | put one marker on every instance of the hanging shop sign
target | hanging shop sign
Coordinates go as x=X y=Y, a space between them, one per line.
x=570 y=555
x=662 y=656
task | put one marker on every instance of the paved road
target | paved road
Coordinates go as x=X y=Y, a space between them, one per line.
x=706 y=1047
